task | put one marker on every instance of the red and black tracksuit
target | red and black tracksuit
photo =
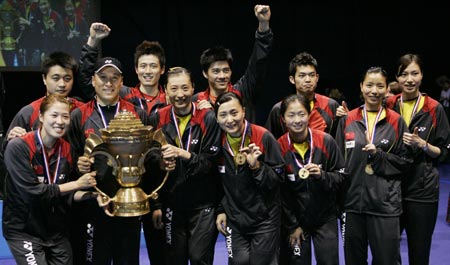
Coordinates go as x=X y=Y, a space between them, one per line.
x=420 y=185
x=137 y=98
x=311 y=203
x=35 y=213
x=98 y=238
x=190 y=196
x=28 y=119
x=372 y=202
x=88 y=59
x=246 y=86
x=322 y=117
x=252 y=201
x=28 y=116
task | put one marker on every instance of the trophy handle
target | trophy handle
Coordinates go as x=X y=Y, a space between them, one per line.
x=115 y=165
x=154 y=194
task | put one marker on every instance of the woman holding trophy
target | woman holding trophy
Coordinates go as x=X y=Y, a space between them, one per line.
x=39 y=193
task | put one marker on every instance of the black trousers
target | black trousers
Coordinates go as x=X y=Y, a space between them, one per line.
x=381 y=233
x=100 y=239
x=418 y=220
x=253 y=248
x=325 y=240
x=190 y=236
x=33 y=250
x=154 y=240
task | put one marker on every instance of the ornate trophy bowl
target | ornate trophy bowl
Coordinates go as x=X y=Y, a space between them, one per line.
x=125 y=143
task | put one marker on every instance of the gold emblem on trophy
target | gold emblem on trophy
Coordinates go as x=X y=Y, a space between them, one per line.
x=126 y=142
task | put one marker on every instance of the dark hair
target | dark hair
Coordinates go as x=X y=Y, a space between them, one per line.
x=406 y=60
x=394 y=87
x=224 y=98
x=177 y=70
x=62 y=59
x=215 y=54
x=375 y=70
x=302 y=59
x=150 y=48
x=50 y=100
x=292 y=98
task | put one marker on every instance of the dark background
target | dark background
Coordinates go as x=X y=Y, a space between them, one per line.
x=346 y=37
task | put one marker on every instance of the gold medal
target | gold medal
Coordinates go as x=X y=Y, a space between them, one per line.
x=240 y=158
x=303 y=173
x=369 y=169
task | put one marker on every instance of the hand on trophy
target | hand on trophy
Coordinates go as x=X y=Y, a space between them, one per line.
x=87 y=180
x=84 y=163
x=169 y=156
x=104 y=202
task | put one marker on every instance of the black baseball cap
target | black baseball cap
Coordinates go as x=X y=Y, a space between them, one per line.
x=108 y=61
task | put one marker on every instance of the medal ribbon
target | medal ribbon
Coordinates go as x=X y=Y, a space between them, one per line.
x=299 y=164
x=103 y=116
x=230 y=150
x=47 y=168
x=174 y=117
x=366 y=120
x=416 y=105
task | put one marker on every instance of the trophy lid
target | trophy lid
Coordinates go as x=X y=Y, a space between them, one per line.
x=126 y=124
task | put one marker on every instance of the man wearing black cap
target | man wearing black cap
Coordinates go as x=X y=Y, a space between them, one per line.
x=98 y=238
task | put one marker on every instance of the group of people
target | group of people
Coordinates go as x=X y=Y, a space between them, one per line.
x=272 y=191
x=40 y=26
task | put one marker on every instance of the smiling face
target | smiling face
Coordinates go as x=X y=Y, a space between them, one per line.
x=296 y=118
x=58 y=80
x=54 y=121
x=410 y=80
x=218 y=76
x=179 y=89
x=230 y=116
x=107 y=84
x=149 y=70
x=373 y=89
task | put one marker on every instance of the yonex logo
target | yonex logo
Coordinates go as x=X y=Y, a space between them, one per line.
x=31 y=259
x=214 y=148
x=28 y=245
x=90 y=230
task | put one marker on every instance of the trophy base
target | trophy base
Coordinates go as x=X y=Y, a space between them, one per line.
x=130 y=202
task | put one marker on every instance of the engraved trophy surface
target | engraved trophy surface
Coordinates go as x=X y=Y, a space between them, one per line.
x=125 y=143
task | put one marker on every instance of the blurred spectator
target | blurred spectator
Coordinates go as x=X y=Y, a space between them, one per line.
x=393 y=89
x=76 y=30
x=337 y=94
x=444 y=83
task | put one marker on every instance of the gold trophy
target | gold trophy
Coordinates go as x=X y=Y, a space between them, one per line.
x=125 y=143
